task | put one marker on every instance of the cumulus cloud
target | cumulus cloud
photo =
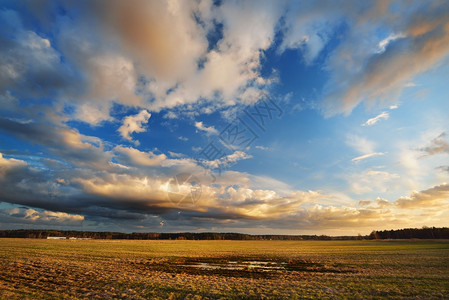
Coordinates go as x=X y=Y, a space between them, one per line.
x=129 y=54
x=429 y=198
x=208 y=130
x=383 y=116
x=139 y=158
x=133 y=124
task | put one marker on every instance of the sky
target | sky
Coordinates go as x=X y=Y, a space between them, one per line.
x=262 y=117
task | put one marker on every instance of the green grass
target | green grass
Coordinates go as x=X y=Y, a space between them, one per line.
x=55 y=269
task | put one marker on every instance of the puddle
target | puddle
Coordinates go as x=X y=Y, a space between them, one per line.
x=244 y=265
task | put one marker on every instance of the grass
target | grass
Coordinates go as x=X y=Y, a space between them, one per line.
x=55 y=269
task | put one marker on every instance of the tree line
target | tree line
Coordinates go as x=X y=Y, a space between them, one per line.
x=408 y=233
x=412 y=233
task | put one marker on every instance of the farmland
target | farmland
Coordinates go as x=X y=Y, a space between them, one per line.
x=55 y=269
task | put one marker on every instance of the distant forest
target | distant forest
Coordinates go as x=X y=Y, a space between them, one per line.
x=408 y=233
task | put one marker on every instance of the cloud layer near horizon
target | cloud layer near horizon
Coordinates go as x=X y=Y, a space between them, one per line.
x=134 y=191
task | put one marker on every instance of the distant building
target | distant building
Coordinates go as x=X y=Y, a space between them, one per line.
x=56 y=238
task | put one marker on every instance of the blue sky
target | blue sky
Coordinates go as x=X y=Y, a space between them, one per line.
x=110 y=113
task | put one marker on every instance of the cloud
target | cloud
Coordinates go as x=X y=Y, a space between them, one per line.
x=360 y=74
x=437 y=146
x=29 y=215
x=85 y=197
x=381 y=203
x=444 y=168
x=429 y=198
x=384 y=43
x=139 y=158
x=308 y=28
x=384 y=115
x=98 y=57
x=183 y=138
x=86 y=59
x=130 y=55
x=209 y=130
x=133 y=124
x=227 y=160
x=362 y=157
x=360 y=144
x=371 y=180
x=66 y=143
x=176 y=155
x=9 y=164
x=262 y=148
x=29 y=64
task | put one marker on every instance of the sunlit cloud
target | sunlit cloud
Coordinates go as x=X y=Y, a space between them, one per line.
x=438 y=145
x=383 y=116
x=133 y=124
x=362 y=157
x=429 y=198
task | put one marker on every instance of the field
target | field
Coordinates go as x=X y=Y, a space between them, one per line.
x=108 y=269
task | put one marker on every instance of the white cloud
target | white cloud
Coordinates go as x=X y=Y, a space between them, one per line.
x=383 y=116
x=360 y=144
x=227 y=160
x=209 y=130
x=139 y=158
x=362 y=157
x=176 y=155
x=384 y=43
x=306 y=29
x=133 y=124
x=262 y=148
x=372 y=180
